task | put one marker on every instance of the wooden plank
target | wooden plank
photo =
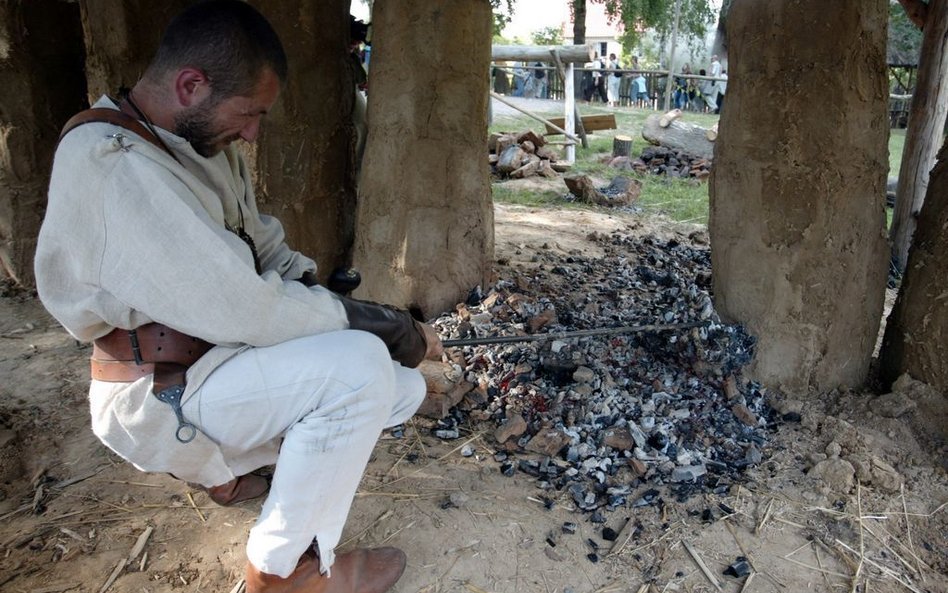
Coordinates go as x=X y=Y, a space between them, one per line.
x=590 y=123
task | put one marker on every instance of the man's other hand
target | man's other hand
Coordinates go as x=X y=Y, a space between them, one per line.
x=433 y=340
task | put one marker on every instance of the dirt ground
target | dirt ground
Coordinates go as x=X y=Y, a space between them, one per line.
x=71 y=512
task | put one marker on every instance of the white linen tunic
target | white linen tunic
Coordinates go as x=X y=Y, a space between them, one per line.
x=128 y=256
x=133 y=236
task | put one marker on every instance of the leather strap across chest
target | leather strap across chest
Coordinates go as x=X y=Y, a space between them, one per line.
x=116 y=118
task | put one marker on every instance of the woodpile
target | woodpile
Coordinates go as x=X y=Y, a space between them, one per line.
x=517 y=155
x=659 y=160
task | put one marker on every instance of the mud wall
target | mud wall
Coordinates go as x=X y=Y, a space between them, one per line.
x=304 y=158
x=916 y=335
x=41 y=85
x=121 y=37
x=425 y=220
x=797 y=213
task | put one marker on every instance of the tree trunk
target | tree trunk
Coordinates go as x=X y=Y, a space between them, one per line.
x=916 y=335
x=925 y=129
x=305 y=156
x=121 y=38
x=799 y=253
x=425 y=222
x=41 y=86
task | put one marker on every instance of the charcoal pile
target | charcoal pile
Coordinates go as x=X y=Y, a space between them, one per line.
x=522 y=154
x=597 y=419
x=660 y=160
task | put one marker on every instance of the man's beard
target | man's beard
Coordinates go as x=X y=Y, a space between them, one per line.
x=197 y=127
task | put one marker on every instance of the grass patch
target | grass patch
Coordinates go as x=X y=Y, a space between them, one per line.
x=528 y=197
x=681 y=200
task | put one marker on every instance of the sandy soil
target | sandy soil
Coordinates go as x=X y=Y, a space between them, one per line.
x=71 y=512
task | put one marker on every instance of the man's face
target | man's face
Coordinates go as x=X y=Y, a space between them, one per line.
x=214 y=123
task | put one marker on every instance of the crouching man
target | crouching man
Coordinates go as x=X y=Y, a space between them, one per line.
x=215 y=353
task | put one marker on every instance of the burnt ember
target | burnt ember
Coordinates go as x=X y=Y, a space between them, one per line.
x=601 y=421
x=659 y=160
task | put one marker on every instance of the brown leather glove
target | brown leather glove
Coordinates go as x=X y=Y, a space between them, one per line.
x=402 y=334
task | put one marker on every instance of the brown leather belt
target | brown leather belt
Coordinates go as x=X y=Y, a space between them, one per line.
x=124 y=356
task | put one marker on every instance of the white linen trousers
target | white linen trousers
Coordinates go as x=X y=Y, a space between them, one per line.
x=328 y=396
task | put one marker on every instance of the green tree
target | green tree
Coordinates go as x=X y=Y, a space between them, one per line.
x=638 y=16
x=502 y=9
x=547 y=36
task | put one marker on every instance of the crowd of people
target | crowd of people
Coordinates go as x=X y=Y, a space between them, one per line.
x=701 y=94
x=602 y=81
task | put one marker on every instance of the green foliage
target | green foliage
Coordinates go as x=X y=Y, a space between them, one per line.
x=637 y=16
x=680 y=200
x=502 y=10
x=547 y=36
x=905 y=39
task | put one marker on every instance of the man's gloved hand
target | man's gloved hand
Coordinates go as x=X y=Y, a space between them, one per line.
x=408 y=341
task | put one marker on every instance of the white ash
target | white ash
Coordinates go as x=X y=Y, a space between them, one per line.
x=664 y=401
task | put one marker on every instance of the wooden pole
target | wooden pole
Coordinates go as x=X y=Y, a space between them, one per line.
x=541 y=53
x=570 y=100
x=570 y=109
x=534 y=116
x=671 y=57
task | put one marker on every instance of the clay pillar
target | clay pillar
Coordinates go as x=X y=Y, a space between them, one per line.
x=304 y=156
x=916 y=335
x=425 y=219
x=121 y=38
x=41 y=85
x=797 y=212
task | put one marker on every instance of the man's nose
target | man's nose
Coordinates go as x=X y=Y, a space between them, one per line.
x=251 y=130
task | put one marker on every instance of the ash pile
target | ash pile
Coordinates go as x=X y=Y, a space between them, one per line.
x=602 y=421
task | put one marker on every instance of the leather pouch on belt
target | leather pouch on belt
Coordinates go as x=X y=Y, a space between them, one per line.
x=402 y=334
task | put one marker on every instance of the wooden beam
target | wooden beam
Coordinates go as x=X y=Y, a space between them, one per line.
x=569 y=54
x=534 y=116
x=590 y=123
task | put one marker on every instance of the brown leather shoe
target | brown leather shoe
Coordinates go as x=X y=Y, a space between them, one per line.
x=239 y=489
x=358 y=571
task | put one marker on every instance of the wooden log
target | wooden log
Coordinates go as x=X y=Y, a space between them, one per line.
x=541 y=53
x=678 y=136
x=561 y=167
x=582 y=187
x=669 y=117
x=528 y=170
x=624 y=190
x=510 y=159
x=621 y=146
x=712 y=133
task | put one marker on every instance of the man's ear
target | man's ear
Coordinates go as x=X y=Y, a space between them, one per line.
x=191 y=87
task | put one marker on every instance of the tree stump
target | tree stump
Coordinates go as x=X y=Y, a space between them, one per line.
x=621 y=146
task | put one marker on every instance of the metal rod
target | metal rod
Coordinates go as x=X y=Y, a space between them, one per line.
x=603 y=331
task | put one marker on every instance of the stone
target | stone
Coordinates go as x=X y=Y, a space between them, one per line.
x=538 y=322
x=584 y=375
x=730 y=388
x=547 y=441
x=837 y=474
x=459 y=499
x=833 y=449
x=512 y=428
x=638 y=467
x=884 y=475
x=688 y=473
x=743 y=413
x=892 y=405
x=619 y=439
